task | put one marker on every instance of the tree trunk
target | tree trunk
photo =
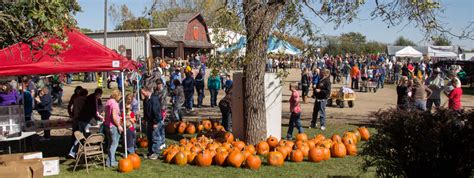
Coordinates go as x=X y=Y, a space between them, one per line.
x=259 y=19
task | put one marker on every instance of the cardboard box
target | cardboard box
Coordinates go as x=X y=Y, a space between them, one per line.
x=33 y=155
x=11 y=157
x=32 y=168
x=51 y=166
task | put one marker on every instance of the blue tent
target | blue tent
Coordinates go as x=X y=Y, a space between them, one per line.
x=274 y=45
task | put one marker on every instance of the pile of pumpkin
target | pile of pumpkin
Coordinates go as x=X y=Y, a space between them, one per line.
x=128 y=164
x=205 y=127
x=225 y=151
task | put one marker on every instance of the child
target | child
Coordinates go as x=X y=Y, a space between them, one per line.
x=178 y=100
x=295 y=108
x=131 y=135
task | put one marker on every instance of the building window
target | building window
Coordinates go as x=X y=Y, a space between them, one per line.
x=128 y=54
x=196 y=32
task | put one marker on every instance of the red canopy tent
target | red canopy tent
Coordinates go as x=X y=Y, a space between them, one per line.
x=80 y=54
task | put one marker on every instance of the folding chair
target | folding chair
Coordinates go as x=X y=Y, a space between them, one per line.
x=90 y=148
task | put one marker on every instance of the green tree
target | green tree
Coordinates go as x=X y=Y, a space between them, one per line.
x=353 y=37
x=441 y=41
x=401 y=41
x=22 y=21
x=85 y=30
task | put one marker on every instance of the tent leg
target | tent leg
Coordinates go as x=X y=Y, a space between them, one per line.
x=124 y=118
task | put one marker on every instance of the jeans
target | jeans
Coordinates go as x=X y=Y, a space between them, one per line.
x=226 y=118
x=69 y=78
x=381 y=81
x=295 y=120
x=319 y=107
x=45 y=116
x=355 y=83
x=131 y=136
x=200 y=93
x=420 y=105
x=58 y=96
x=113 y=137
x=429 y=103
x=81 y=127
x=214 y=93
x=157 y=136
x=397 y=77
x=348 y=77
x=188 y=100
x=177 y=115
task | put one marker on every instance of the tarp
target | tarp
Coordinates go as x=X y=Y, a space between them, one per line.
x=408 y=52
x=80 y=54
x=440 y=53
x=274 y=45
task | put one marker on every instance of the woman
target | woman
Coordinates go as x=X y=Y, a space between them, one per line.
x=44 y=103
x=8 y=95
x=420 y=94
x=295 y=118
x=214 y=84
x=113 y=128
x=305 y=82
x=455 y=96
x=402 y=93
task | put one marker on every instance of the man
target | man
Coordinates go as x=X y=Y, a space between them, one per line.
x=452 y=78
x=155 y=124
x=228 y=83
x=355 y=74
x=188 y=87
x=323 y=90
x=436 y=84
x=199 y=84
x=225 y=106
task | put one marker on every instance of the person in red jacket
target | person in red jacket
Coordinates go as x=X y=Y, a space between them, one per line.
x=455 y=97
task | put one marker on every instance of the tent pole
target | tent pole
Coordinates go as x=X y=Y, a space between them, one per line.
x=138 y=97
x=124 y=118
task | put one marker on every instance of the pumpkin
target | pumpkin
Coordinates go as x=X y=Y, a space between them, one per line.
x=357 y=134
x=235 y=159
x=191 y=157
x=283 y=151
x=272 y=142
x=326 y=153
x=212 y=146
x=229 y=137
x=263 y=148
x=239 y=144
x=301 y=137
x=196 y=149
x=250 y=148
x=170 y=129
x=336 y=138
x=351 y=149
x=220 y=149
x=170 y=155
x=288 y=150
x=227 y=146
x=338 y=150
x=290 y=143
x=364 y=133
x=348 y=140
x=316 y=154
x=181 y=158
x=125 y=165
x=253 y=162
x=191 y=129
x=296 y=156
x=305 y=150
x=319 y=137
x=183 y=141
x=350 y=135
x=207 y=125
x=311 y=144
x=144 y=143
x=181 y=127
x=275 y=158
x=246 y=154
x=135 y=160
x=326 y=143
x=203 y=159
x=200 y=127
x=220 y=158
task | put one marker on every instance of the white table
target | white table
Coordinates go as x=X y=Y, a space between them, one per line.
x=20 y=139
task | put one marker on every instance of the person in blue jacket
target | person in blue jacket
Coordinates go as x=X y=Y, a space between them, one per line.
x=214 y=85
x=188 y=87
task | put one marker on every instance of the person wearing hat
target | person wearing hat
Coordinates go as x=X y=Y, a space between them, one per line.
x=436 y=84
x=452 y=78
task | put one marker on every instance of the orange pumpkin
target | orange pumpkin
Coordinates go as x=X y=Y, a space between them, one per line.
x=338 y=150
x=302 y=137
x=229 y=137
x=191 y=129
x=183 y=141
x=296 y=156
x=253 y=162
x=348 y=140
x=135 y=160
x=203 y=159
x=125 y=165
x=250 y=148
x=239 y=144
x=200 y=128
x=275 y=158
x=326 y=143
x=290 y=143
x=311 y=144
x=357 y=134
x=319 y=137
x=326 y=153
x=220 y=158
x=227 y=145
x=181 y=127
x=235 y=159
x=351 y=149
x=144 y=143
x=263 y=148
x=350 y=135
x=207 y=125
x=336 y=138
x=170 y=155
x=283 y=151
x=316 y=154
x=181 y=158
x=364 y=133
x=246 y=154
x=272 y=142
x=305 y=150
x=191 y=157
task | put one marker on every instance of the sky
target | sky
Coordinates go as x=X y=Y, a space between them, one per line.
x=457 y=14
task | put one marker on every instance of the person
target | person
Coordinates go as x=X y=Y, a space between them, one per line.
x=129 y=123
x=364 y=76
x=419 y=94
x=455 y=97
x=228 y=82
x=346 y=68
x=178 y=100
x=44 y=103
x=323 y=90
x=295 y=109
x=315 y=79
x=119 y=82
x=155 y=124
x=225 y=106
x=57 y=90
x=199 y=84
x=305 y=83
x=214 y=84
x=8 y=96
x=355 y=74
x=436 y=84
x=403 y=93
x=27 y=102
x=71 y=100
x=381 y=72
x=188 y=87
x=100 y=82
x=162 y=93
x=113 y=128
x=78 y=123
x=452 y=79
x=175 y=76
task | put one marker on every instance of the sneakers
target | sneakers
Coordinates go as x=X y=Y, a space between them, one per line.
x=153 y=156
x=162 y=146
x=323 y=128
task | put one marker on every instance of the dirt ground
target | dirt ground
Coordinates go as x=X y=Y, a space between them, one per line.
x=364 y=105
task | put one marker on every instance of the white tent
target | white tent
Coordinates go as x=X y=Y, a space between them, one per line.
x=436 y=52
x=409 y=52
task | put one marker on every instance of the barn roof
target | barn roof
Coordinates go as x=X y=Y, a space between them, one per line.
x=165 y=41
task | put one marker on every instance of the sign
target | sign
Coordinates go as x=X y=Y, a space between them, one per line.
x=115 y=64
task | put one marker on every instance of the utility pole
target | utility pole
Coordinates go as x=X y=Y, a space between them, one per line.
x=104 y=74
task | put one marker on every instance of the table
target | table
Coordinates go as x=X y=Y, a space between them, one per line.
x=20 y=139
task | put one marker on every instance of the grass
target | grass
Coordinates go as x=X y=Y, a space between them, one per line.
x=349 y=166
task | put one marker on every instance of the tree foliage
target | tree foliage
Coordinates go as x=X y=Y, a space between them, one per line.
x=22 y=21
x=441 y=41
x=401 y=41
x=351 y=43
x=293 y=40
